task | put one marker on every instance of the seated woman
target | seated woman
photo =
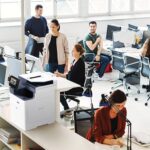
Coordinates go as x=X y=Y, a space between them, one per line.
x=76 y=74
x=108 y=123
x=145 y=51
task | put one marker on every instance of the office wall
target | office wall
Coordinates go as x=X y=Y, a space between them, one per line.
x=10 y=35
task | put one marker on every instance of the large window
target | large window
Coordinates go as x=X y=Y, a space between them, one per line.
x=47 y=7
x=67 y=7
x=142 y=5
x=98 y=6
x=10 y=9
x=120 y=6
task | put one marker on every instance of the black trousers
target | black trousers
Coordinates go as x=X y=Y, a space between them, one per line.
x=37 y=49
x=63 y=96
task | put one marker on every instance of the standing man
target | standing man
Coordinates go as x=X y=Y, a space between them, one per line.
x=94 y=44
x=36 y=28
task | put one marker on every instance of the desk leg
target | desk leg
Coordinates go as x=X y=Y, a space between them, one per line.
x=57 y=106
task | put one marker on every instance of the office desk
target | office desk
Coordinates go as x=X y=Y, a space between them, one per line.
x=62 y=86
x=52 y=136
x=129 y=51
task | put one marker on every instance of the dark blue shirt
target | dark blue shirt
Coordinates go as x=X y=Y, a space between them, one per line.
x=36 y=26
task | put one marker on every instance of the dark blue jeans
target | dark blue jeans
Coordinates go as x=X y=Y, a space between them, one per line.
x=52 y=67
x=104 y=61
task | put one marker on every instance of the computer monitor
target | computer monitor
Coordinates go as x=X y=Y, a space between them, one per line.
x=14 y=67
x=148 y=26
x=146 y=35
x=34 y=63
x=133 y=27
x=125 y=37
x=110 y=30
x=8 y=51
x=2 y=73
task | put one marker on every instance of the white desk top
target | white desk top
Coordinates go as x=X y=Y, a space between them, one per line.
x=53 y=136
x=57 y=137
x=64 y=84
x=129 y=51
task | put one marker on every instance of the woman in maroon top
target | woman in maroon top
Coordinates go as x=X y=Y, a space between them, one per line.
x=109 y=125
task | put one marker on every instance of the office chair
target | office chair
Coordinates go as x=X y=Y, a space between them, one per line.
x=126 y=65
x=83 y=121
x=145 y=72
x=84 y=90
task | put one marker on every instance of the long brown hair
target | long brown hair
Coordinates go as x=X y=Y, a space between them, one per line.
x=148 y=48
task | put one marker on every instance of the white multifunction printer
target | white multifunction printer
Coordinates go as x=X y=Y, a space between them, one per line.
x=32 y=99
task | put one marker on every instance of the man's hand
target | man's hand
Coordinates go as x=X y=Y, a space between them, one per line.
x=36 y=38
x=97 y=58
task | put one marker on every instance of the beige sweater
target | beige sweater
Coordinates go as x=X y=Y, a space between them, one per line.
x=62 y=49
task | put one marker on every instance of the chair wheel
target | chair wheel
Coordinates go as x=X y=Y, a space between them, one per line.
x=136 y=99
x=127 y=94
x=138 y=91
x=128 y=87
x=110 y=92
x=146 y=104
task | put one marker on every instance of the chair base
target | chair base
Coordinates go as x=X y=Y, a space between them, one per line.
x=146 y=104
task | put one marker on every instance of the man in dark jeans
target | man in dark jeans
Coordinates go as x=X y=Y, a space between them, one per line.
x=93 y=44
x=36 y=28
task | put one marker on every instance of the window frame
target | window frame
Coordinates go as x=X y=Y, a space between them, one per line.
x=81 y=13
x=8 y=19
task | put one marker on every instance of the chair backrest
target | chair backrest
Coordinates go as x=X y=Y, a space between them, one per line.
x=83 y=121
x=89 y=57
x=132 y=62
x=81 y=42
x=145 y=69
x=118 y=61
x=88 y=77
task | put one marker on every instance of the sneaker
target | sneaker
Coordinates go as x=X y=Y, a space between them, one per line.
x=68 y=114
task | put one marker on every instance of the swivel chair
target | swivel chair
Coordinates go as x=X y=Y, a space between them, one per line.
x=126 y=65
x=145 y=72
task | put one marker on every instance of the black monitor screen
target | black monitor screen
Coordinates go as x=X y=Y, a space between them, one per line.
x=2 y=73
x=130 y=26
x=148 y=25
x=110 y=30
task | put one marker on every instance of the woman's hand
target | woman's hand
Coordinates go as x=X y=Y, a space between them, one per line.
x=116 y=142
x=66 y=68
x=58 y=74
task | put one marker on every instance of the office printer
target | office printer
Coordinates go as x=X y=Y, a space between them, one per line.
x=32 y=99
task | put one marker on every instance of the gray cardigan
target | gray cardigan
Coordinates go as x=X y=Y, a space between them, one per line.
x=62 y=49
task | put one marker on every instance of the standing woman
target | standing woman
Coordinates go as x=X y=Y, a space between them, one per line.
x=56 y=49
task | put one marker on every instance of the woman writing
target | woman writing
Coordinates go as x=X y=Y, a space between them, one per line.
x=109 y=125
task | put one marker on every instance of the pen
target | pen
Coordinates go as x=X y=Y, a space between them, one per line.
x=35 y=77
